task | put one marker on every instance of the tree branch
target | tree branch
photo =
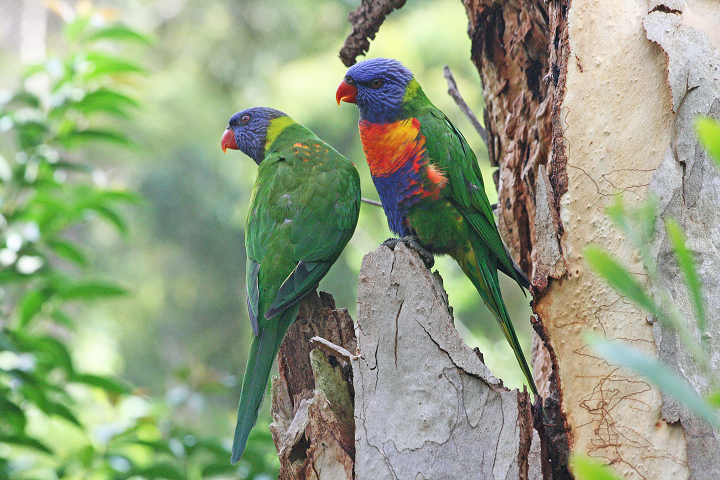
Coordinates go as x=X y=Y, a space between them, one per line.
x=312 y=398
x=460 y=101
x=366 y=21
x=371 y=202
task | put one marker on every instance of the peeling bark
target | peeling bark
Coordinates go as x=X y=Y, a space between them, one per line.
x=688 y=188
x=510 y=43
x=426 y=406
x=312 y=398
x=520 y=49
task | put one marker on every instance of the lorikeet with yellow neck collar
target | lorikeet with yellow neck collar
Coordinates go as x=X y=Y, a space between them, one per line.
x=303 y=211
x=429 y=181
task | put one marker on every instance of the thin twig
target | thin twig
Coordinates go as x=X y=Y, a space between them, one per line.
x=455 y=94
x=331 y=349
x=371 y=202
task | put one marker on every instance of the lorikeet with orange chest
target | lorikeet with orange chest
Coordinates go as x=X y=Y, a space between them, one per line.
x=429 y=181
x=303 y=211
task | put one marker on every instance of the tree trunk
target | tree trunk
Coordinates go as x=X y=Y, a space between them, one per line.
x=425 y=404
x=312 y=398
x=584 y=100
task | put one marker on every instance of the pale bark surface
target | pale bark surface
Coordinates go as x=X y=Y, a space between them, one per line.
x=616 y=120
x=426 y=406
x=688 y=187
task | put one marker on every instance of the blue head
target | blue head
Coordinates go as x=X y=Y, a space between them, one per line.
x=378 y=87
x=248 y=131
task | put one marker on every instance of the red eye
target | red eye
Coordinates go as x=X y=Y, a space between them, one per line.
x=377 y=83
x=244 y=119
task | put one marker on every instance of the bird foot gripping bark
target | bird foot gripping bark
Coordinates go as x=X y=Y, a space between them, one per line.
x=413 y=242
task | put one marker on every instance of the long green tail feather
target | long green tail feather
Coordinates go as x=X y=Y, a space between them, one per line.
x=500 y=310
x=489 y=288
x=263 y=349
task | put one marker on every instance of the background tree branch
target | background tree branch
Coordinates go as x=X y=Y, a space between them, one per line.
x=366 y=21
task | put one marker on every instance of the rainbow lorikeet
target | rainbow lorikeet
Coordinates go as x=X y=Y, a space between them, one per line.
x=303 y=211
x=429 y=181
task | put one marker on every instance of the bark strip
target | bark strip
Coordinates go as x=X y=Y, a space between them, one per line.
x=366 y=21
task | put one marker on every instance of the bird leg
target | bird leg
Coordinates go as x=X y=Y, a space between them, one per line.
x=413 y=242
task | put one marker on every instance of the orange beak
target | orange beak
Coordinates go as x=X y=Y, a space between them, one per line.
x=345 y=93
x=228 y=140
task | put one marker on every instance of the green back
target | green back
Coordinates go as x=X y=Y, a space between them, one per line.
x=447 y=149
x=303 y=211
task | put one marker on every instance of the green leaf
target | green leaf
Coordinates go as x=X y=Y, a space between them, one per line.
x=220 y=468
x=54 y=353
x=687 y=265
x=26 y=98
x=62 y=318
x=72 y=166
x=90 y=290
x=121 y=196
x=31 y=134
x=160 y=446
x=62 y=410
x=658 y=373
x=68 y=251
x=12 y=416
x=110 y=385
x=112 y=216
x=25 y=441
x=212 y=446
x=586 y=468
x=714 y=399
x=77 y=138
x=121 y=33
x=110 y=65
x=105 y=100
x=30 y=305
x=619 y=278
x=74 y=28
x=708 y=131
x=160 y=470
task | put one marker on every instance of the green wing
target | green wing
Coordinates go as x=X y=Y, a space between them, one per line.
x=450 y=152
x=310 y=199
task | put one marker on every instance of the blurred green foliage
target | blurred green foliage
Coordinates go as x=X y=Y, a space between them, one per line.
x=638 y=225
x=57 y=420
x=586 y=468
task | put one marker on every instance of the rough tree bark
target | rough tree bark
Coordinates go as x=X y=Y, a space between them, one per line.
x=312 y=398
x=584 y=100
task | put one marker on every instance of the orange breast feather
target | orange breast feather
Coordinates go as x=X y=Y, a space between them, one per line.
x=390 y=146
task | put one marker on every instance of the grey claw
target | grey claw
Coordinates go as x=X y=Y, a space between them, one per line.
x=413 y=242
